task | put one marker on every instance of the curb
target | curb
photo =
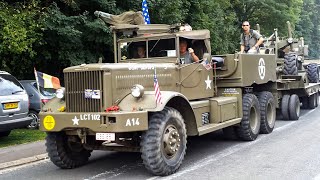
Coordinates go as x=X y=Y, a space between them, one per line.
x=23 y=161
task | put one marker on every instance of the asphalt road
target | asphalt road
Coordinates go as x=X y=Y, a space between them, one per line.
x=292 y=151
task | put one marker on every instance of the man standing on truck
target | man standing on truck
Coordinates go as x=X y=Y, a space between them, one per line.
x=250 y=40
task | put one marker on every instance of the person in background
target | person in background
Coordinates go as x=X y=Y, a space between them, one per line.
x=141 y=52
x=250 y=40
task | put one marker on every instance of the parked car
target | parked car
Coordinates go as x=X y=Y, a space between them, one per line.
x=14 y=104
x=37 y=99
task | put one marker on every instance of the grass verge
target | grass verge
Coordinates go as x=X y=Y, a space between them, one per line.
x=21 y=136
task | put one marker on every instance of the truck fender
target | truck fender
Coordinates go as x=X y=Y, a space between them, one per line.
x=169 y=98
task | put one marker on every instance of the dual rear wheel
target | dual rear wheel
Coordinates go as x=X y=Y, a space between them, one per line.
x=259 y=115
x=290 y=107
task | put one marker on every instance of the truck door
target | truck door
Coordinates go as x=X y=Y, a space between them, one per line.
x=196 y=82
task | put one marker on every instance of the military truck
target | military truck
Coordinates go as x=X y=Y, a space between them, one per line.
x=151 y=104
x=293 y=73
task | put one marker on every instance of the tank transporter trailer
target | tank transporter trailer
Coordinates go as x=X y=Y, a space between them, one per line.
x=152 y=104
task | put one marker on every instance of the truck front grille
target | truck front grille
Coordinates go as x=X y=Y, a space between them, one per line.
x=76 y=83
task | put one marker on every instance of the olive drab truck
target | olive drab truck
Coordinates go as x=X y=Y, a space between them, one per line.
x=151 y=104
x=298 y=80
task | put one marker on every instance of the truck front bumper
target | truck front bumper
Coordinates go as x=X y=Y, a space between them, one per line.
x=95 y=121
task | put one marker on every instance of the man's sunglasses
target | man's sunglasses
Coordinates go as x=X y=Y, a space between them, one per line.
x=245 y=25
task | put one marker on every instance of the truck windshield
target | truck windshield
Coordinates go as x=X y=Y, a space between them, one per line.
x=148 y=49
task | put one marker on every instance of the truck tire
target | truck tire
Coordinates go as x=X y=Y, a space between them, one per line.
x=230 y=133
x=294 y=107
x=64 y=154
x=267 y=111
x=164 y=144
x=313 y=101
x=250 y=124
x=313 y=73
x=285 y=107
x=5 y=133
x=290 y=64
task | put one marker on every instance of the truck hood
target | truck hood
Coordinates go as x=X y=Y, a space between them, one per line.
x=118 y=66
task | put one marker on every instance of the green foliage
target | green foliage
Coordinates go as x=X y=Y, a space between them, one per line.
x=19 y=32
x=308 y=26
x=22 y=136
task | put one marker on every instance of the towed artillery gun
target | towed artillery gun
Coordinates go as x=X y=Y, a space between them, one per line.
x=151 y=104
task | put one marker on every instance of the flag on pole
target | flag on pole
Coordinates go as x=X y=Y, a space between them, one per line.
x=157 y=88
x=145 y=12
x=46 y=81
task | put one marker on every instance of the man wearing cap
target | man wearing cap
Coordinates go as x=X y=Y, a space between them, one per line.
x=250 y=39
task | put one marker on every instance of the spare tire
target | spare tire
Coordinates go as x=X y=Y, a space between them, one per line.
x=313 y=73
x=290 y=64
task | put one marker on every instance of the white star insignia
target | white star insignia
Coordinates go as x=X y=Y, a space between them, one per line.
x=208 y=83
x=75 y=120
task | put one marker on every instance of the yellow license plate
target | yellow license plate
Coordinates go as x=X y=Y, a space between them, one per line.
x=11 y=105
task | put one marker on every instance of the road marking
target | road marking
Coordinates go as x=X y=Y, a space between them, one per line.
x=115 y=172
x=210 y=159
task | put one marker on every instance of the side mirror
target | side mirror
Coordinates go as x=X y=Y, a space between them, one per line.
x=207 y=57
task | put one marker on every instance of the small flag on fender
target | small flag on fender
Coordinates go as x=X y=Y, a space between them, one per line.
x=157 y=88
x=206 y=64
x=47 y=81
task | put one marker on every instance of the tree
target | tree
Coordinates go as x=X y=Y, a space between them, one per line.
x=19 y=33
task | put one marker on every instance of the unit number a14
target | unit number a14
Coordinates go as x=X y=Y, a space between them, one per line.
x=133 y=122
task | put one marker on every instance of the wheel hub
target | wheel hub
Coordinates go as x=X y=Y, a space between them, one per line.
x=171 y=141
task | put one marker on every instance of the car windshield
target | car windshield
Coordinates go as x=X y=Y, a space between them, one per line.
x=9 y=85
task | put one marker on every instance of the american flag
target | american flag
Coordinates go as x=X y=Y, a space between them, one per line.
x=145 y=12
x=157 y=88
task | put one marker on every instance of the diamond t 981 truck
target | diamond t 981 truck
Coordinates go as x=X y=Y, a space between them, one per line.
x=151 y=104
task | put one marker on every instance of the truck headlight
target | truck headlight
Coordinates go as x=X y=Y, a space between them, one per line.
x=137 y=91
x=60 y=93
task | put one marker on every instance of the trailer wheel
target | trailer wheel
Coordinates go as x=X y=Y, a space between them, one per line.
x=65 y=154
x=294 y=107
x=268 y=112
x=290 y=64
x=250 y=124
x=313 y=73
x=312 y=101
x=164 y=144
x=285 y=107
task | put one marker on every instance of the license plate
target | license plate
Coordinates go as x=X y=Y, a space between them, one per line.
x=10 y=105
x=106 y=136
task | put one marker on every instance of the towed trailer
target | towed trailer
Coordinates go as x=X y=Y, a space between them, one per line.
x=292 y=90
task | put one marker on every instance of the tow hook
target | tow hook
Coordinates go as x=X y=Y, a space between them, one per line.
x=82 y=133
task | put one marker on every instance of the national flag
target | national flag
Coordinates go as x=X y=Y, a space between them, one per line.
x=206 y=64
x=145 y=12
x=47 y=81
x=157 y=88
